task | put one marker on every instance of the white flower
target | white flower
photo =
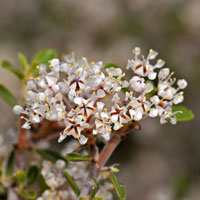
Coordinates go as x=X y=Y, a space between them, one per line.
x=74 y=126
x=103 y=125
x=17 y=109
x=142 y=67
x=75 y=91
x=155 y=99
x=118 y=116
x=182 y=83
x=53 y=174
x=152 y=54
x=137 y=84
x=153 y=112
x=85 y=107
x=163 y=73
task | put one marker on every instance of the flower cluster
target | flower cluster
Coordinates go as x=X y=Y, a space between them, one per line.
x=83 y=96
x=59 y=189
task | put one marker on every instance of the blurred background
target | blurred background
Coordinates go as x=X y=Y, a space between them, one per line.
x=158 y=162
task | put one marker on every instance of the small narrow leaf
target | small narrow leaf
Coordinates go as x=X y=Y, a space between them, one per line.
x=109 y=65
x=10 y=163
x=95 y=188
x=23 y=61
x=50 y=155
x=7 y=65
x=97 y=198
x=20 y=176
x=33 y=175
x=42 y=184
x=43 y=56
x=75 y=157
x=123 y=192
x=184 y=115
x=1 y=165
x=72 y=183
x=6 y=95
x=119 y=189
x=28 y=194
x=181 y=186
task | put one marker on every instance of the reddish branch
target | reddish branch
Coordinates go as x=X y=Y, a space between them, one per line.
x=107 y=151
x=22 y=139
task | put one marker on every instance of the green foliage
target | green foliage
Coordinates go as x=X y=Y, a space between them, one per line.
x=95 y=188
x=28 y=194
x=20 y=176
x=114 y=170
x=42 y=184
x=109 y=65
x=124 y=90
x=119 y=189
x=97 y=198
x=76 y=157
x=72 y=183
x=181 y=186
x=50 y=155
x=8 y=66
x=7 y=96
x=1 y=165
x=184 y=115
x=10 y=163
x=23 y=61
x=43 y=56
x=33 y=175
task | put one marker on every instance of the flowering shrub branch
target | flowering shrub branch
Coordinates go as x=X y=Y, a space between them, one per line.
x=92 y=103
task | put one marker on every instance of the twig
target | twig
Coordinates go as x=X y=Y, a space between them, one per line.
x=107 y=152
x=22 y=139
x=52 y=136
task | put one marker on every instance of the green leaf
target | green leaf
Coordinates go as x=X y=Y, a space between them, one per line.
x=6 y=95
x=76 y=157
x=7 y=65
x=50 y=155
x=114 y=170
x=10 y=163
x=95 y=188
x=3 y=192
x=42 y=185
x=119 y=189
x=23 y=61
x=20 y=176
x=72 y=183
x=28 y=194
x=43 y=56
x=33 y=175
x=124 y=90
x=184 y=115
x=109 y=65
x=181 y=186
x=1 y=165
x=123 y=192
x=97 y=198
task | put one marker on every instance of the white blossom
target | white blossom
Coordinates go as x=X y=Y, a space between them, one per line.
x=78 y=94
